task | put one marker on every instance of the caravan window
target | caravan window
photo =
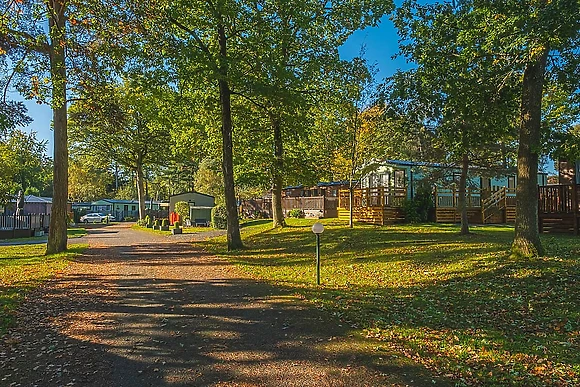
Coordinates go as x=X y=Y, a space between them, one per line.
x=400 y=181
x=384 y=179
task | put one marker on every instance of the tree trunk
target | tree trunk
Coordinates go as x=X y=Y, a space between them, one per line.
x=140 y=190
x=350 y=205
x=57 y=238
x=233 y=232
x=277 y=171
x=527 y=236
x=462 y=200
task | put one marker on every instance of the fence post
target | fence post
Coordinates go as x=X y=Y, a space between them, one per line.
x=453 y=198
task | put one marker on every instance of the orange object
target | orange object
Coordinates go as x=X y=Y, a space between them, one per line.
x=173 y=217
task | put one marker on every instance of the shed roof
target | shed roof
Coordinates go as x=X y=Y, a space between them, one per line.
x=37 y=199
x=193 y=192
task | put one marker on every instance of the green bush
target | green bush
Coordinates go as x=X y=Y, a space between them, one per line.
x=164 y=223
x=182 y=209
x=219 y=217
x=177 y=224
x=296 y=213
x=129 y=219
x=142 y=222
x=417 y=209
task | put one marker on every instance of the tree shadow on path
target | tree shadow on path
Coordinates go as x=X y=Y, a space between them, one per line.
x=168 y=315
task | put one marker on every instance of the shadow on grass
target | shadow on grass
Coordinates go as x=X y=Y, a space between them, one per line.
x=255 y=222
x=458 y=302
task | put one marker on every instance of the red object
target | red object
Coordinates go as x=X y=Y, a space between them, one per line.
x=173 y=217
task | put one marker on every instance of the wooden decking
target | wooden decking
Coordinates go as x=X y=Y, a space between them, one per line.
x=21 y=226
x=379 y=205
x=559 y=209
x=313 y=206
x=483 y=206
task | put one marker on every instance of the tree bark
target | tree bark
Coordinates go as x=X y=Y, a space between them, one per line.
x=350 y=205
x=277 y=171
x=57 y=235
x=140 y=190
x=462 y=200
x=527 y=236
x=233 y=232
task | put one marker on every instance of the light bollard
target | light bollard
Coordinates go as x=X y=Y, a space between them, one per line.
x=317 y=229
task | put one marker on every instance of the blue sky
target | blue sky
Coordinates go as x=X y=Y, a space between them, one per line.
x=380 y=42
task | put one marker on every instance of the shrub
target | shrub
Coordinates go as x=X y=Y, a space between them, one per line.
x=182 y=209
x=142 y=222
x=164 y=223
x=130 y=219
x=219 y=217
x=177 y=224
x=296 y=213
x=417 y=209
x=78 y=213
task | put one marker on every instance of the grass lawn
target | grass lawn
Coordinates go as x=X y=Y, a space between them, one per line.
x=186 y=230
x=22 y=268
x=458 y=305
x=72 y=232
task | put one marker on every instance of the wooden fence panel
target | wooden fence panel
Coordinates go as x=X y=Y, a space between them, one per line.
x=24 y=222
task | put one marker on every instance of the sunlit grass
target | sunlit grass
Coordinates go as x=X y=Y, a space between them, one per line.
x=186 y=230
x=22 y=268
x=457 y=304
x=72 y=232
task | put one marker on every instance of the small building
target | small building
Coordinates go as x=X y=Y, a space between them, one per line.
x=200 y=205
x=32 y=205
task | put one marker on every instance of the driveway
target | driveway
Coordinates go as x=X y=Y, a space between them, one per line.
x=140 y=309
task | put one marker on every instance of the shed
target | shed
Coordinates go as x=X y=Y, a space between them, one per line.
x=200 y=204
x=32 y=205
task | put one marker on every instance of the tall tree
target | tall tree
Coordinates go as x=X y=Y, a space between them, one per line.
x=88 y=179
x=294 y=48
x=25 y=164
x=47 y=41
x=23 y=33
x=469 y=108
x=535 y=40
x=358 y=125
x=203 y=35
x=125 y=124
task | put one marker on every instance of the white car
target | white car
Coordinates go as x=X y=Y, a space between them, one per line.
x=95 y=217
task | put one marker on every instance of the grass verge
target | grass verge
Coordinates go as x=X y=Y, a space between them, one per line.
x=459 y=305
x=71 y=232
x=22 y=268
x=186 y=230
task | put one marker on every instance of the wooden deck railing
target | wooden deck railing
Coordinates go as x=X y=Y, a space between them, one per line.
x=24 y=222
x=373 y=197
x=310 y=203
x=559 y=199
x=475 y=197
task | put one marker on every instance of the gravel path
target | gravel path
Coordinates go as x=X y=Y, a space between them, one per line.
x=145 y=310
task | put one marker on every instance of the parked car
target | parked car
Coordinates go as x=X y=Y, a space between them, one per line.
x=94 y=217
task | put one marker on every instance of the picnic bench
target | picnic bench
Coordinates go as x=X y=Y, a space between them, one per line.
x=201 y=222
